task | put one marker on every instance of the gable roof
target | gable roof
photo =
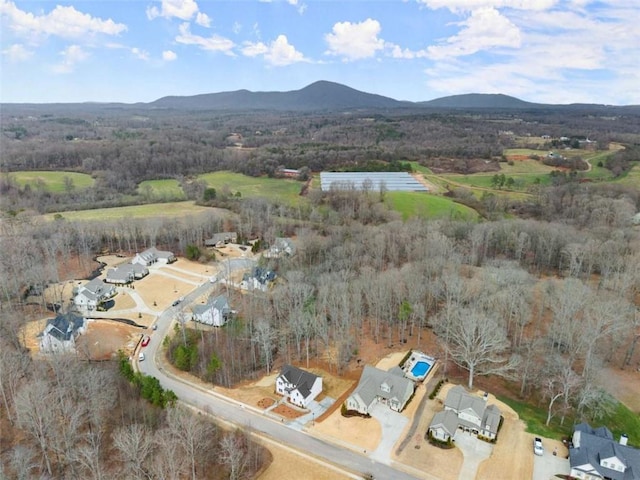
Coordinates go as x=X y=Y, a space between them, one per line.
x=64 y=326
x=97 y=286
x=120 y=274
x=220 y=303
x=447 y=420
x=221 y=237
x=597 y=444
x=301 y=379
x=372 y=379
x=459 y=400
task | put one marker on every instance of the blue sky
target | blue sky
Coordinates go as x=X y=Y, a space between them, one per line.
x=550 y=51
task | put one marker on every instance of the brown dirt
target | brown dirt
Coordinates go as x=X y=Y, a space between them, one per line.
x=287 y=412
x=625 y=384
x=266 y=402
x=123 y=301
x=518 y=157
x=104 y=338
x=354 y=432
x=289 y=464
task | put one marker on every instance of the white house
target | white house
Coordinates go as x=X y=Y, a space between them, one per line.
x=390 y=388
x=215 y=312
x=596 y=455
x=299 y=386
x=470 y=412
x=61 y=332
x=258 y=279
x=281 y=247
x=220 y=239
x=153 y=255
x=88 y=297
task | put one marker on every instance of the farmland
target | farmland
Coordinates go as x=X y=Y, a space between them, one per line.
x=161 y=190
x=152 y=210
x=411 y=204
x=52 y=181
x=278 y=190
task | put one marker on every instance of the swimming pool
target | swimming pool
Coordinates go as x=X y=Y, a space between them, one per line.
x=420 y=369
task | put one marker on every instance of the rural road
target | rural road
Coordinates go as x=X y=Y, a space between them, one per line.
x=234 y=413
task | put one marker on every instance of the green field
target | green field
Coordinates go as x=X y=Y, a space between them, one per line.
x=411 y=204
x=275 y=189
x=165 y=190
x=152 y=210
x=52 y=181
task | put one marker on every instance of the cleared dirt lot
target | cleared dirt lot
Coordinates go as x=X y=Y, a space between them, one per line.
x=105 y=337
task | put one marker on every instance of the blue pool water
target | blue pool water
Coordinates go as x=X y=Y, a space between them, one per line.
x=420 y=369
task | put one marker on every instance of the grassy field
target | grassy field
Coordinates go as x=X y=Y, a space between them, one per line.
x=620 y=420
x=285 y=191
x=168 y=189
x=411 y=204
x=632 y=178
x=152 y=210
x=52 y=181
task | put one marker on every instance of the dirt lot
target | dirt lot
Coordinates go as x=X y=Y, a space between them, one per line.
x=104 y=338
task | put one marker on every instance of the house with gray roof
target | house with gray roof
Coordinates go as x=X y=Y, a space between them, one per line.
x=298 y=386
x=124 y=274
x=281 y=247
x=471 y=413
x=597 y=455
x=259 y=279
x=215 y=312
x=60 y=333
x=90 y=296
x=220 y=239
x=153 y=255
x=378 y=386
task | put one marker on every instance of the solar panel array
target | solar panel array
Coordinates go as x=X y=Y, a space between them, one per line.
x=392 y=181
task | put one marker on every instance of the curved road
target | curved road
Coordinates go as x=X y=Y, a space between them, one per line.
x=237 y=414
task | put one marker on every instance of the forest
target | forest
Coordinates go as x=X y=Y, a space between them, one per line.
x=543 y=291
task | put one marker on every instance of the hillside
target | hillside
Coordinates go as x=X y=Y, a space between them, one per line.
x=480 y=100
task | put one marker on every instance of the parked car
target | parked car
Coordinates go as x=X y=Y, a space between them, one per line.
x=175 y=302
x=146 y=340
x=538 y=449
x=155 y=326
x=141 y=356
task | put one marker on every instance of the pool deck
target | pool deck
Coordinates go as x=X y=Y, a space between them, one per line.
x=416 y=358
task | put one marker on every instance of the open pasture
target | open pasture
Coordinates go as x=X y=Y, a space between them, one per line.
x=52 y=181
x=411 y=204
x=168 y=189
x=281 y=190
x=152 y=210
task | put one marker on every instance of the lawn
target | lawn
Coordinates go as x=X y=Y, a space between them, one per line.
x=411 y=204
x=52 y=181
x=632 y=178
x=620 y=420
x=152 y=210
x=165 y=190
x=281 y=190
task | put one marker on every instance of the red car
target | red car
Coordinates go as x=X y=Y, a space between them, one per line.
x=146 y=340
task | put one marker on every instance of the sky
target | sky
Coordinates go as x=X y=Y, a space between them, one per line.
x=548 y=51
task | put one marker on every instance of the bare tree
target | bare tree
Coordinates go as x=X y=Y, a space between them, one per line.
x=264 y=336
x=192 y=432
x=478 y=343
x=233 y=454
x=134 y=444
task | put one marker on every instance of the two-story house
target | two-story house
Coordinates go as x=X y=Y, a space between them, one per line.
x=299 y=386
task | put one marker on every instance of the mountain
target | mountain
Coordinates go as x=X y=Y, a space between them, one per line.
x=320 y=95
x=480 y=100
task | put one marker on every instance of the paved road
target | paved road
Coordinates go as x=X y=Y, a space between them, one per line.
x=233 y=412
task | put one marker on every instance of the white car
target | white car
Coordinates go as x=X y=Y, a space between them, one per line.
x=141 y=357
x=538 y=449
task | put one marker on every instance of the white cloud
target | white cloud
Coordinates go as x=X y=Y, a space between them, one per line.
x=71 y=55
x=354 y=41
x=468 y=5
x=203 y=19
x=169 y=56
x=140 y=54
x=236 y=28
x=485 y=28
x=182 y=9
x=214 y=43
x=17 y=53
x=62 y=21
x=278 y=53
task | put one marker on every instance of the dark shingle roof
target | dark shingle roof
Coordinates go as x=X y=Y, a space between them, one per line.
x=302 y=379
x=64 y=326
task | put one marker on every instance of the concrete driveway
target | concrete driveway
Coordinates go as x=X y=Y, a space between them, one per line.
x=547 y=466
x=315 y=410
x=474 y=451
x=392 y=424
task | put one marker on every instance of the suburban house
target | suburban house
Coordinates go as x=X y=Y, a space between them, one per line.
x=89 y=296
x=124 y=274
x=258 y=279
x=467 y=412
x=215 y=312
x=281 y=247
x=153 y=255
x=390 y=388
x=220 y=239
x=596 y=455
x=61 y=332
x=298 y=386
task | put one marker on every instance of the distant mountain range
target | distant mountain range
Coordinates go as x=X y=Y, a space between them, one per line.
x=330 y=96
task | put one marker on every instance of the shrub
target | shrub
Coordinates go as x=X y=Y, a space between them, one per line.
x=405 y=358
x=345 y=412
x=437 y=388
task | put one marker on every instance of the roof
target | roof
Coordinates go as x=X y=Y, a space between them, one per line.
x=391 y=181
x=597 y=444
x=220 y=303
x=64 y=326
x=371 y=380
x=97 y=286
x=120 y=273
x=301 y=379
x=459 y=400
x=447 y=420
x=220 y=237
